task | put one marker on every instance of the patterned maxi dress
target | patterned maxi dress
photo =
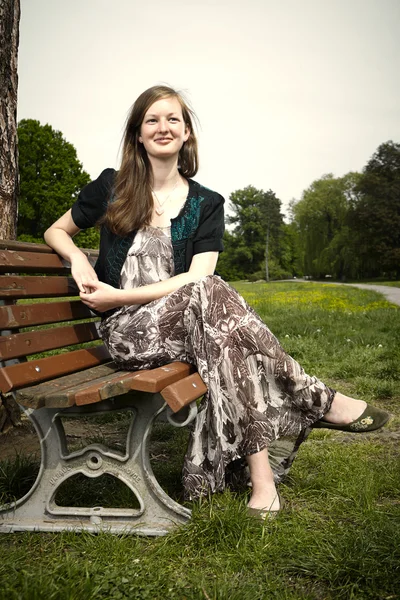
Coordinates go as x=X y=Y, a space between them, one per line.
x=258 y=396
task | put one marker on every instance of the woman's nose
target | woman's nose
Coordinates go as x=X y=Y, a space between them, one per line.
x=163 y=125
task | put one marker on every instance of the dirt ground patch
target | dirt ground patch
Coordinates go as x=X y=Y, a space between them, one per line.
x=23 y=440
x=19 y=440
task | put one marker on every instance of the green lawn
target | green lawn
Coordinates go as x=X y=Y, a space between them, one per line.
x=390 y=283
x=339 y=534
x=378 y=282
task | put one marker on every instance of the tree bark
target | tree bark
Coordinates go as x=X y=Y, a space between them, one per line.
x=9 y=180
x=9 y=36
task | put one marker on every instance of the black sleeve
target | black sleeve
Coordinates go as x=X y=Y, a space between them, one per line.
x=91 y=203
x=209 y=234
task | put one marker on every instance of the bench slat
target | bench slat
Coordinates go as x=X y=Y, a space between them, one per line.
x=36 y=396
x=100 y=383
x=40 y=340
x=42 y=248
x=12 y=261
x=114 y=384
x=184 y=391
x=24 y=315
x=35 y=371
x=25 y=246
x=36 y=287
x=151 y=380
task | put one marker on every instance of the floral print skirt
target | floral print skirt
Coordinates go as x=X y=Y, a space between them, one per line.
x=258 y=396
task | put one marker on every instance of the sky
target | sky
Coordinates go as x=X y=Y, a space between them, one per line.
x=285 y=92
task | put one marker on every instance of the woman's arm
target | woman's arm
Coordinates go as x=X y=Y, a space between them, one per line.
x=59 y=237
x=105 y=297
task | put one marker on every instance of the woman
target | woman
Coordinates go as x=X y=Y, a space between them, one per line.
x=154 y=282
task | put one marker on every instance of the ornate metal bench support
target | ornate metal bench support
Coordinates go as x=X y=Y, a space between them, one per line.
x=157 y=512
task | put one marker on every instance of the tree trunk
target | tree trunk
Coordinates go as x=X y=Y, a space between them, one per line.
x=267 y=255
x=9 y=36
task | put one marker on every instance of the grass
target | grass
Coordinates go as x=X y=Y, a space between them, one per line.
x=339 y=536
x=377 y=281
x=349 y=337
x=389 y=283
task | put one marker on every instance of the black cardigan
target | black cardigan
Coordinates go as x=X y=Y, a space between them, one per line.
x=199 y=227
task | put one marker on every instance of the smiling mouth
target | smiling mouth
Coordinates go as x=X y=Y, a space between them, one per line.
x=163 y=140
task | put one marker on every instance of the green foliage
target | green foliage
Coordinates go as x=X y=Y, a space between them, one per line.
x=232 y=262
x=289 y=251
x=349 y=227
x=51 y=177
x=321 y=218
x=259 y=237
x=376 y=216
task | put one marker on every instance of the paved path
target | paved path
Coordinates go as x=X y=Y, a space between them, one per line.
x=391 y=293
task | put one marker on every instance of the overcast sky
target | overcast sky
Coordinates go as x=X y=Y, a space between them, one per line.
x=285 y=91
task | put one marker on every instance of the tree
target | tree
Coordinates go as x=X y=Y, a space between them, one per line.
x=290 y=250
x=375 y=217
x=9 y=36
x=256 y=236
x=322 y=219
x=233 y=262
x=51 y=178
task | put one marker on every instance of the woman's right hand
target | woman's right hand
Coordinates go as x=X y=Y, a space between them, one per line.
x=82 y=272
x=59 y=236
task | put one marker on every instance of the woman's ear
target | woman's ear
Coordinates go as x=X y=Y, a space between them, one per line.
x=187 y=133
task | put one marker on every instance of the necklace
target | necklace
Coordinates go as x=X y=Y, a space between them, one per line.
x=159 y=209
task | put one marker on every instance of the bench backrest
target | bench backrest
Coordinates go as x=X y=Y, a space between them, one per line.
x=39 y=313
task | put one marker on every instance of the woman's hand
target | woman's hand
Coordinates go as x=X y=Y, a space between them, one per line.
x=82 y=272
x=102 y=297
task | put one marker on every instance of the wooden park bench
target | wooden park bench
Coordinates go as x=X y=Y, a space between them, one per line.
x=77 y=383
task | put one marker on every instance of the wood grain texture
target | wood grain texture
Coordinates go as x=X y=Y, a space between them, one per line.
x=100 y=383
x=12 y=261
x=183 y=392
x=42 y=248
x=56 y=393
x=24 y=315
x=36 y=371
x=149 y=380
x=15 y=286
x=41 y=340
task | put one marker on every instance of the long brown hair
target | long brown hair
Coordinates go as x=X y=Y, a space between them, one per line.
x=132 y=203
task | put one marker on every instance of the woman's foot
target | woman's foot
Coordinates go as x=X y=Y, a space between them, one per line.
x=267 y=500
x=348 y=414
x=264 y=498
x=344 y=410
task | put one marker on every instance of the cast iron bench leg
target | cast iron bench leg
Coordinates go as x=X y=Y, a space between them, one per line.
x=157 y=513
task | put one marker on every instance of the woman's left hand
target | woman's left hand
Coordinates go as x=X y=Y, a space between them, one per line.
x=102 y=297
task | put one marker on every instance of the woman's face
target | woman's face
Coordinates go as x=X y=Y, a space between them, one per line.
x=163 y=131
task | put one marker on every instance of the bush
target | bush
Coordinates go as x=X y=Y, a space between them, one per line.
x=257 y=276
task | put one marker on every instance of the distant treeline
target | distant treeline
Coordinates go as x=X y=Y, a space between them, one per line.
x=345 y=227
